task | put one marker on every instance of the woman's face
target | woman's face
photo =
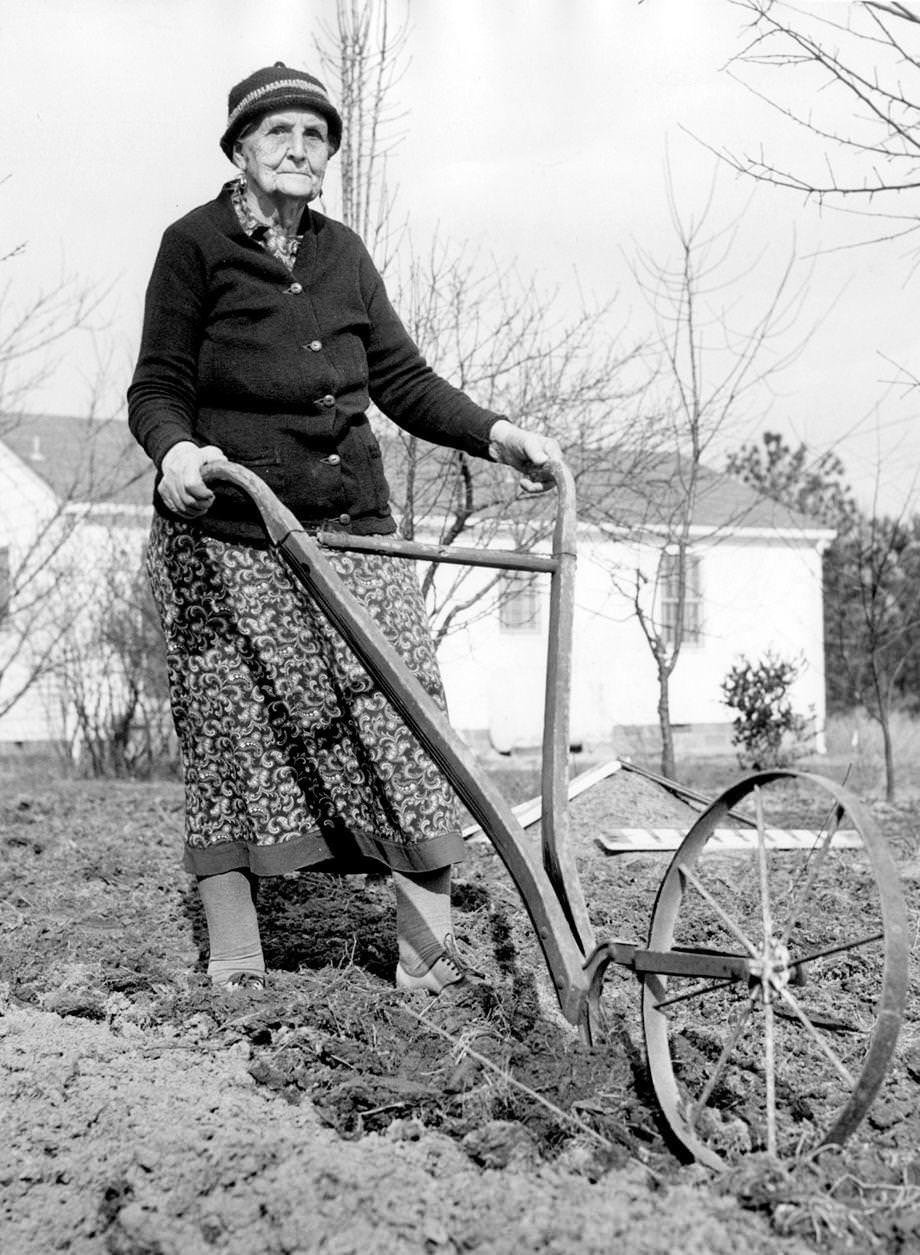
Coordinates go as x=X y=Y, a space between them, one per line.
x=285 y=155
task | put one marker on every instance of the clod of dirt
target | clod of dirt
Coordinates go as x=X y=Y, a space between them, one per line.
x=501 y=1143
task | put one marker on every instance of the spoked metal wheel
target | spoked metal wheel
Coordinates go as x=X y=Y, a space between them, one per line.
x=785 y=1049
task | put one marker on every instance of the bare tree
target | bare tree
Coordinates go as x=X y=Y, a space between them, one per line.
x=110 y=667
x=35 y=525
x=30 y=331
x=364 y=58
x=871 y=582
x=861 y=66
x=710 y=356
x=481 y=324
x=505 y=340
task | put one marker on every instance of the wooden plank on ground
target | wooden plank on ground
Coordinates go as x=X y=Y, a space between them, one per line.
x=664 y=840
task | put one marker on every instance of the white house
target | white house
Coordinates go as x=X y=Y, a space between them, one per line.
x=74 y=505
x=753 y=586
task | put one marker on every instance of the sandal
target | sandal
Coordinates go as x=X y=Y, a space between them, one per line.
x=447 y=970
x=254 y=982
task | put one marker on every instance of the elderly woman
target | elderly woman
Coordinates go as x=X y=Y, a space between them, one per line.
x=267 y=333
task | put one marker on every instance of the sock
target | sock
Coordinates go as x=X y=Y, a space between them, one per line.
x=422 y=917
x=233 y=928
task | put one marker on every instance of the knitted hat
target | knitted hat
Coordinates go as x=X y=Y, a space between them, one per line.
x=277 y=87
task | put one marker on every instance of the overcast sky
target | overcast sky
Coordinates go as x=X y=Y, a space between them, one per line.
x=536 y=129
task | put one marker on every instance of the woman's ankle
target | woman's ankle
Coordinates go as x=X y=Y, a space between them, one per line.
x=423 y=917
x=221 y=970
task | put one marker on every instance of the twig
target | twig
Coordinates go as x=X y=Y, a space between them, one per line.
x=162 y=1047
x=387 y=1106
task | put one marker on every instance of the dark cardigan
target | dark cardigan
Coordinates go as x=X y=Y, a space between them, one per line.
x=277 y=369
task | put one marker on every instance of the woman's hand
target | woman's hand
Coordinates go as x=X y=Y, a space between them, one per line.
x=525 y=451
x=182 y=488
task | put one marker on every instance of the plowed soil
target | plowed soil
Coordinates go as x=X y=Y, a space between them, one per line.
x=146 y=1114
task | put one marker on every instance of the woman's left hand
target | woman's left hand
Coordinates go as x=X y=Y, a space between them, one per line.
x=526 y=451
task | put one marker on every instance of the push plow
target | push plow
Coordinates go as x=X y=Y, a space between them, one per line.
x=774 y=974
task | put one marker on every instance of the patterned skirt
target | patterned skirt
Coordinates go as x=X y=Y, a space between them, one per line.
x=292 y=757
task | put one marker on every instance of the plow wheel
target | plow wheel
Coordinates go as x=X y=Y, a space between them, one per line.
x=788 y=1055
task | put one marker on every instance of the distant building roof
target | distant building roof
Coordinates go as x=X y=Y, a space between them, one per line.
x=614 y=489
x=81 y=459
x=653 y=492
x=94 y=460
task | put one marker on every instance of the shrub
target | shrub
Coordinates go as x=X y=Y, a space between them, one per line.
x=767 y=731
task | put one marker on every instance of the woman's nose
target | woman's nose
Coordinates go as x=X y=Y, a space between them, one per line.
x=297 y=147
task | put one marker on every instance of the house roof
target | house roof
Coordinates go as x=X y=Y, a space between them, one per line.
x=81 y=459
x=652 y=492
x=94 y=460
x=614 y=489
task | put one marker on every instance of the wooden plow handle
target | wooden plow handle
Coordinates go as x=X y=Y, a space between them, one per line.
x=548 y=884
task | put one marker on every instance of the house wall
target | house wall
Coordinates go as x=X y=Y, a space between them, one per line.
x=27 y=516
x=757 y=594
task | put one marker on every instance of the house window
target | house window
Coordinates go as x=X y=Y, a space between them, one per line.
x=5 y=582
x=519 y=604
x=669 y=598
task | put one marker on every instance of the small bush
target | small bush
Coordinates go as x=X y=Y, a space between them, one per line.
x=767 y=731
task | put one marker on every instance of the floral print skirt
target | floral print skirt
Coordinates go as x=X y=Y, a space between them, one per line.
x=292 y=757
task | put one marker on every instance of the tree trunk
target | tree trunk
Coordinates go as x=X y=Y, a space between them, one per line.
x=885 y=725
x=883 y=714
x=664 y=724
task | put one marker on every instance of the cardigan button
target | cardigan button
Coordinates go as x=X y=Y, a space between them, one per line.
x=326 y=402
x=295 y=289
x=344 y=519
x=314 y=346
x=332 y=460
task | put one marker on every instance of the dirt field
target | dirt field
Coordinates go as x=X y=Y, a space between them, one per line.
x=147 y=1115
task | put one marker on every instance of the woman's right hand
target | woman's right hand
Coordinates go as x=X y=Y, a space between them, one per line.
x=181 y=488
